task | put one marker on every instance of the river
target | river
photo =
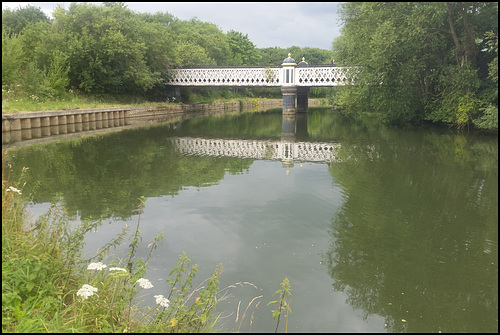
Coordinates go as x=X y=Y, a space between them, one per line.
x=378 y=229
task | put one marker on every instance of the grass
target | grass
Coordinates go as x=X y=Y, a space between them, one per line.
x=17 y=102
x=13 y=102
x=47 y=286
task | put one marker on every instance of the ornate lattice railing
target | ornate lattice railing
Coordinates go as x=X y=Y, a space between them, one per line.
x=324 y=76
x=268 y=76
x=227 y=77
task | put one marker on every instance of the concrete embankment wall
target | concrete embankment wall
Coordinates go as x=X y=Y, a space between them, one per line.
x=168 y=112
x=31 y=125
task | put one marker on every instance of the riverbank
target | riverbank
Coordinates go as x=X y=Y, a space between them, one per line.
x=40 y=125
x=34 y=119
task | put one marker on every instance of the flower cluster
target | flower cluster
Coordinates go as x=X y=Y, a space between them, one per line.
x=12 y=189
x=162 y=301
x=86 y=291
x=97 y=266
x=144 y=283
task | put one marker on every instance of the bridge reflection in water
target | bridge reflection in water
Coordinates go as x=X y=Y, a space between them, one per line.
x=293 y=145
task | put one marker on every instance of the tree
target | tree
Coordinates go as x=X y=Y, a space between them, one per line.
x=21 y=75
x=111 y=50
x=193 y=54
x=272 y=56
x=243 y=51
x=489 y=117
x=11 y=62
x=14 y=21
x=34 y=64
x=315 y=56
x=205 y=35
x=162 y=18
x=420 y=61
x=112 y=4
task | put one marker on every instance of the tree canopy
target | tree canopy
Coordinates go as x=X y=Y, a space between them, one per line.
x=16 y=20
x=421 y=61
x=108 y=49
x=418 y=61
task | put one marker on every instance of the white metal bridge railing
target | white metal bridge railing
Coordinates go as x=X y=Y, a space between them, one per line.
x=262 y=76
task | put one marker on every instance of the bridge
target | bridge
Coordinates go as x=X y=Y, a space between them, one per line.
x=294 y=79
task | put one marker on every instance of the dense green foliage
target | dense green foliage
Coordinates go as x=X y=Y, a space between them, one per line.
x=313 y=56
x=243 y=51
x=110 y=51
x=435 y=62
x=422 y=61
x=15 y=21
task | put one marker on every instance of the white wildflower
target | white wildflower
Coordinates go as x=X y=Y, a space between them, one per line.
x=144 y=283
x=13 y=189
x=162 y=301
x=86 y=291
x=118 y=269
x=96 y=266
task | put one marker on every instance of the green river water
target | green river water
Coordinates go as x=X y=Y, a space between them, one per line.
x=378 y=229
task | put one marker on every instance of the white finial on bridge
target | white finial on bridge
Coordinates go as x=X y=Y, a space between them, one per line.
x=289 y=61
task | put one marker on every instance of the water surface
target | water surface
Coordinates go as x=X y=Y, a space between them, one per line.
x=378 y=229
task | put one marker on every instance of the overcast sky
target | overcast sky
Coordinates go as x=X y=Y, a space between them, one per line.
x=267 y=24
